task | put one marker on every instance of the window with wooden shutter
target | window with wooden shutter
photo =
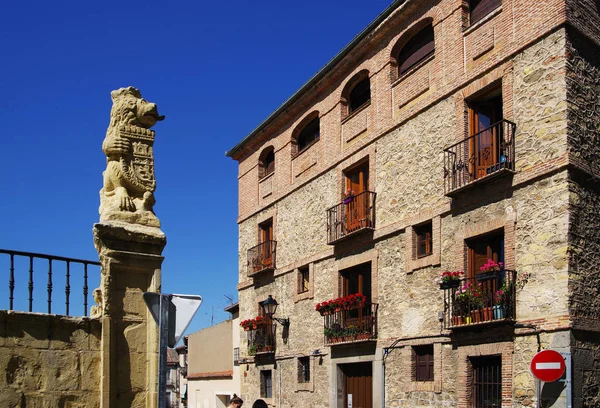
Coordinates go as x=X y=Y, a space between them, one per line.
x=303 y=279
x=360 y=94
x=420 y=46
x=309 y=135
x=266 y=162
x=481 y=8
x=423 y=238
x=423 y=363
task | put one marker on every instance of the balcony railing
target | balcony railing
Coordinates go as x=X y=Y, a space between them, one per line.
x=480 y=156
x=24 y=267
x=350 y=326
x=353 y=215
x=483 y=299
x=262 y=339
x=262 y=257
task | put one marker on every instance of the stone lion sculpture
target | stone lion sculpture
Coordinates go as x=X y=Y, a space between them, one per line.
x=128 y=189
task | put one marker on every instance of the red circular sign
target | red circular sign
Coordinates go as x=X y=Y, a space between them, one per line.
x=548 y=365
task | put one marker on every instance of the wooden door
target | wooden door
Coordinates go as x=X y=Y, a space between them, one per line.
x=480 y=250
x=485 y=143
x=358 y=385
x=357 y=181
x=358 y=280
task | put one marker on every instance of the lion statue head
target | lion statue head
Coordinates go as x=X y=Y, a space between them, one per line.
x=129 y=108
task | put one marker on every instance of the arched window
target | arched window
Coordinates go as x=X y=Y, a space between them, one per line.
x=481 y=8
x=266 y=162
x=360 y=94
x=420 y=46
x=309 y=134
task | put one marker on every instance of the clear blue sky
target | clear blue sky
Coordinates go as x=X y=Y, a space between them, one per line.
x=215 y=69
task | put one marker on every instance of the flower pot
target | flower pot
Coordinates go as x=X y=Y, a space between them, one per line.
x=498 y=312
x=487 y=275
x=487 y=314
x=467 y=319
x=476 y=316
x=450 y=284
x=348 y=200
x=363 y=336
x=457 y=320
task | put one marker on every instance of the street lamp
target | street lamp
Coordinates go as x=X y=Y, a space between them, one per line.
x=270 y=306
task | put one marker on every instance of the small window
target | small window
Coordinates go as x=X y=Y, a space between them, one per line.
x=266 y=384
x=423 y=363
x=423 y=241
x=303 y=369
x=309 y=134
x=486 y=387
x=236 y=356
x=266 y=162
x=420 y=46
x=360 y=94
x=481 y=8
x=303 y=279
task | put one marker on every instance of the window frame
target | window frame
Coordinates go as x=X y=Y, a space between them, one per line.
x=313 y=135
x=304 y=374
x=303 y=279
x=349 y=108
x=494 y=242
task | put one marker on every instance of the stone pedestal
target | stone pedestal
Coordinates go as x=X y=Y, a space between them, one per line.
x=131 y=260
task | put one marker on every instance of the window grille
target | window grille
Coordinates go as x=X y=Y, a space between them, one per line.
x=487 y=381
x=236 y=356
x=266 y=384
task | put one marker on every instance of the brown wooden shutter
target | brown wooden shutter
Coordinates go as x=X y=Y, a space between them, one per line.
x=417 y=48
x=481 y=8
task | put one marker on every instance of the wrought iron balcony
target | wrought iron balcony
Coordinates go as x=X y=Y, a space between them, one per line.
x=24 y=267
x=482 y=156
x=262 y=257
x=484 y=299
x=351 y=326
x=352 y=216
x=262 y=339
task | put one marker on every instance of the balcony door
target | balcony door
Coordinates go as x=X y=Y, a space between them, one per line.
x=357 y=280
x=266 y=238
x=357 y=181
x=490 y=246
x=485 y=139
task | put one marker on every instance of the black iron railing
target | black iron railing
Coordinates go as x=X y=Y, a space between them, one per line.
x=262 y=257
x=354 y=214
x=485 y=298
x=23 y=267
x=347 y=326
x=262 y=339
x=479 y=156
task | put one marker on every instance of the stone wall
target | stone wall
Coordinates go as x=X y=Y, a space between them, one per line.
x=49 y=361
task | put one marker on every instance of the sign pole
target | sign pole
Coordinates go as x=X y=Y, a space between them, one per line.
x=163 y=333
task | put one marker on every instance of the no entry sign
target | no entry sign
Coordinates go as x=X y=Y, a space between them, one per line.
x=548 y=365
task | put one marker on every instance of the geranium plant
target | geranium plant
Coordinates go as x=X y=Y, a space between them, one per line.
x=251 y=324
x=449 y=276
x=491 y=266
x=353 y=301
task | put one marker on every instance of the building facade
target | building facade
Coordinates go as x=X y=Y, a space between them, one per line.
x=213 y=372
x=449 y=136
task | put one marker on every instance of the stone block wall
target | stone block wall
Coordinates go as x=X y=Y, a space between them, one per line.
x=49 y=361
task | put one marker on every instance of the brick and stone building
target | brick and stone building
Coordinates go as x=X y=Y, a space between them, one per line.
x=447 y=134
